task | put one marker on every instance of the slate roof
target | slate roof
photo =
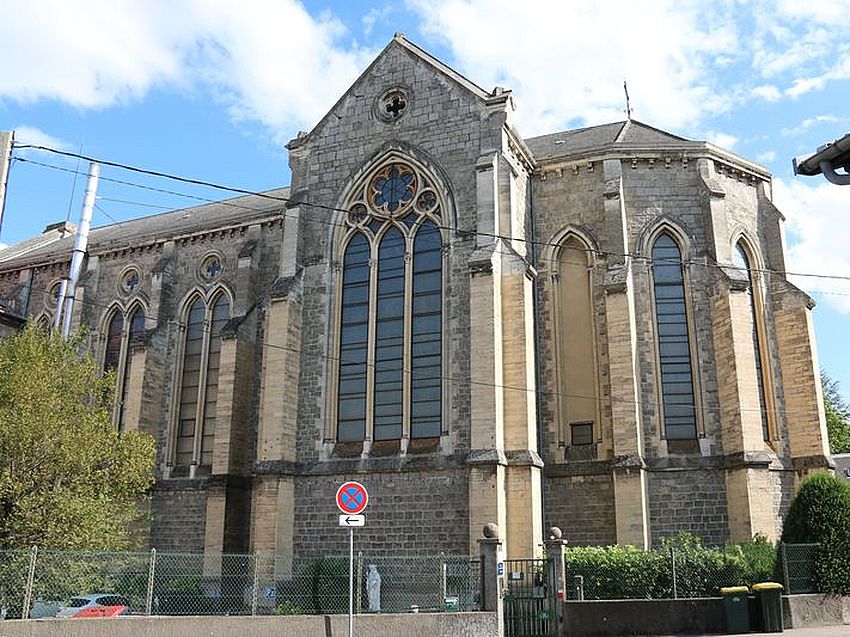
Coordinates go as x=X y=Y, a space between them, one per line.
x=573 y=142
x=163 y=226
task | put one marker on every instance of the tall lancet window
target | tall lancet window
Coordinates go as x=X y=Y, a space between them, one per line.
x=576 y=340
x=742 y=261
x=198 y=390
x=118 y=353
x=389 y=373
x=673 y=333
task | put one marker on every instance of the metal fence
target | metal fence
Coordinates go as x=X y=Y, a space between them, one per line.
x=798 y=567
x=678 y=574
x=37 y=583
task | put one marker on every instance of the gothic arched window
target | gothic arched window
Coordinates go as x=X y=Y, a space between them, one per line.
x=673 y=333
x=198 y=390
x=122 y=330
x=576 y=340
x=742 y=261
x=389 y=381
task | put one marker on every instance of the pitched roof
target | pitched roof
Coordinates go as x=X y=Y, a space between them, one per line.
x=630 y=132
x=160 y=227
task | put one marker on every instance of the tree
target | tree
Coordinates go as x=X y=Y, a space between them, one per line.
x=820 y=513
x=837 y=415
x=68 y=479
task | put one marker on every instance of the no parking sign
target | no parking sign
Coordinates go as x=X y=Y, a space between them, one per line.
x=352 y=498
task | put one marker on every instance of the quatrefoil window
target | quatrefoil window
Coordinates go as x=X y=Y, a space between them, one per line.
x=130 y=281
x=394 y=187
x=392 y=104
x=211 y=268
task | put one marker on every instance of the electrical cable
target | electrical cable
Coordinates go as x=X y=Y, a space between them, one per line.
x=289 y=200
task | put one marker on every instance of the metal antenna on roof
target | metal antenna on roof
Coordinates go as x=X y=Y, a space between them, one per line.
x=628 y=107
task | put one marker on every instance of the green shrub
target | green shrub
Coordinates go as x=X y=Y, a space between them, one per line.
x=820 y=513
x=624 y=572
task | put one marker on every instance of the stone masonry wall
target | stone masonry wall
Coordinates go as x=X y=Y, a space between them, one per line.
x=688 y=500
x=178 y=509
x=582 y=507
x=411 y=513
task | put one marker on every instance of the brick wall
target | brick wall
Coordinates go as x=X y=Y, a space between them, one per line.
x=582 y=507
x=688 y=500
x=410 y=513
x=179 y=514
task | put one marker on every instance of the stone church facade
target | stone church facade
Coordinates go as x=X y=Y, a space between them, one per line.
x=589 y=329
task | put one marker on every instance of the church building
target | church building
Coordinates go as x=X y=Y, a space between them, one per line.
x=591 y=329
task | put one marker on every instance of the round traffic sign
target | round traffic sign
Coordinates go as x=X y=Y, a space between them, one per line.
x=352 y=498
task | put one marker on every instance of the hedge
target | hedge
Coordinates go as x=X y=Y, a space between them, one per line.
x=625 y=572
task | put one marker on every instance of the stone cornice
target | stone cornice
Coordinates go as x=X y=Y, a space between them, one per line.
x=665 y=156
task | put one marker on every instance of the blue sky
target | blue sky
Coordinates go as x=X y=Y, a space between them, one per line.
x=212 y=89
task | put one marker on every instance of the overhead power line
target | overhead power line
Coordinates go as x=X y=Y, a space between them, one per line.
x=330 y=208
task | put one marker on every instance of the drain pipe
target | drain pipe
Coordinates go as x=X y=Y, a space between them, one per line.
x=65 y=303
x=532 y=251
x=831 y=176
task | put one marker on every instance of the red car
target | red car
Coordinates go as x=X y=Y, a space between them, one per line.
x=97 y=605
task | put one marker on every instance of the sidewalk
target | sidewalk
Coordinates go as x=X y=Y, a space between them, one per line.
x=809 y=631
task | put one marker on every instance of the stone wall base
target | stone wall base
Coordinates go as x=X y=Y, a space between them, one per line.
x=385 y=625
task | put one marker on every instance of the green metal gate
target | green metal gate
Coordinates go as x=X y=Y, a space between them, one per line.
x=530 y=598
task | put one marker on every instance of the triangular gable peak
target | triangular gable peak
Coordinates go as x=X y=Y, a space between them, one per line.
x=400 y=42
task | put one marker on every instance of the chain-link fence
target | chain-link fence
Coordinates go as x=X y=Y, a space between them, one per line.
x=798 y=567
x=39 y=583
x=673 y=573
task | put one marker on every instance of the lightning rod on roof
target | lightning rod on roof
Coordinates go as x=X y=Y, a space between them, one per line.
x=628 y=107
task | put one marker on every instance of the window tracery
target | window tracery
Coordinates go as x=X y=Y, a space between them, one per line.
x=678 y=398
x=198 y=383
x=389 y=380
x=122 y=330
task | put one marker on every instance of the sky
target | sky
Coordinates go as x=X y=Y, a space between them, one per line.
x=213 y=90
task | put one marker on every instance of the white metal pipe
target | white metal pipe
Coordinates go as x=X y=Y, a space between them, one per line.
x=80 y=245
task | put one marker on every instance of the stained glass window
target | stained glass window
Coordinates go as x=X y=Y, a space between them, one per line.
x=118 y=354
x=674 y=350
x=426 y=333
x=391 y=312
x=137 y=330
x=189 y=384
x=354 y=342
x=196 y=411
x=114 y=331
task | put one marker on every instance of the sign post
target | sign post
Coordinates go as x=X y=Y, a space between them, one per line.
x=351 y=499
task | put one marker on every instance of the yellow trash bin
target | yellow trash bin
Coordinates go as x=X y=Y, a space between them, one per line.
x=769 y=602
x=737 y=609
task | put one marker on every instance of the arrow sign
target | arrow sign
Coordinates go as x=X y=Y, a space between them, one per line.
x=352 y=520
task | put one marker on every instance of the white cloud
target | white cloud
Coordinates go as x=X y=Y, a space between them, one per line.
x=767 y=92
x=805 y=85
x=818 y=223
x=822 y=11
x=766 y=157
x=724 y=140
x=568 y=60
x=37 y=137
x=268 y=60
x=684 y=60
x=808 y=122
